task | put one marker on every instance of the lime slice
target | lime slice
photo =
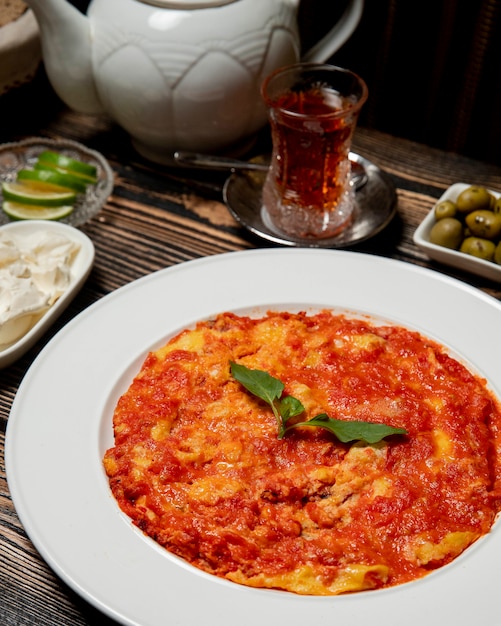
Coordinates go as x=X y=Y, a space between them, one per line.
x=78 y=176
x=18 y=211
x=40 y=195
x=65 y=181
x=55 y=159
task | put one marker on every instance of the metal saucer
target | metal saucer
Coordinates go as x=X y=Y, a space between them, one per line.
x=375 y=207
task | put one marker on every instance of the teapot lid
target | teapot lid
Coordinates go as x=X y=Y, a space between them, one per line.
x=187 y=4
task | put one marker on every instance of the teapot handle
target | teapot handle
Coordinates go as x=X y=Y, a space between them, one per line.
x=337 y=36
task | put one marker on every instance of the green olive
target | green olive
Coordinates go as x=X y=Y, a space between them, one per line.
x=445 y=208
x=497 y=206
x=497 y=254
x=485 y=224
x=447 y=232
x=478 y=247
x=473 y=198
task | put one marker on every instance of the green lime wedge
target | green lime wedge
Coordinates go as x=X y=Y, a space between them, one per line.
x=56 y=159
x=65 y=181
x=76 y=176
x=37 y=194
x=18 y=211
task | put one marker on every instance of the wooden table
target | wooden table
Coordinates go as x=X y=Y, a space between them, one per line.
x=155 y=218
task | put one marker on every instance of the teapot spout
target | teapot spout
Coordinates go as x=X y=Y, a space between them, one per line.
x=67 y=53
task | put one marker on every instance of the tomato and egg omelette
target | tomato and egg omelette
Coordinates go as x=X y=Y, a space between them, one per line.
x=198 y=466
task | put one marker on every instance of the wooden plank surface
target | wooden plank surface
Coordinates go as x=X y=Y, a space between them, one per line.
x=157 y=217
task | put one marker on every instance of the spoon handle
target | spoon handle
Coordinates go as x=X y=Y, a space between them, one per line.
x=218 y=162
x=194 y=159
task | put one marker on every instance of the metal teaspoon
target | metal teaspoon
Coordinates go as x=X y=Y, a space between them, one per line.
x=194 y=159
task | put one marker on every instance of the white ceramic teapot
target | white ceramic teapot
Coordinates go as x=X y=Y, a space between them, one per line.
x=176 y=74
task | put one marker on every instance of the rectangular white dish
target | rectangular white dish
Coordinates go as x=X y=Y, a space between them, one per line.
x=454 y=258
x=80 y=269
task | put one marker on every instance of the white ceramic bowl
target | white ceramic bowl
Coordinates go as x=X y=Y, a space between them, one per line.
x=454 y=258
x=20 y=51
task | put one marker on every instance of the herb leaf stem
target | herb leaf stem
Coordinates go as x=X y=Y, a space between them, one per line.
x=270 y=389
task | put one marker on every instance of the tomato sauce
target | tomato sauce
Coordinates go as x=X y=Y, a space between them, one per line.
x=198 y=465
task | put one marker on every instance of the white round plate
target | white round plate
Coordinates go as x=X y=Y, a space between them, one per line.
x=61 y=424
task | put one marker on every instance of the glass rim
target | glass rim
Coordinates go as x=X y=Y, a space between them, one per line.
x=297 y=68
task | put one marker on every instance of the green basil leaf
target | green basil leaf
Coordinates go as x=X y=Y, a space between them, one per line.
x=290 y=407
x=260 y=383
x=347 y=431
x=270 y=389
